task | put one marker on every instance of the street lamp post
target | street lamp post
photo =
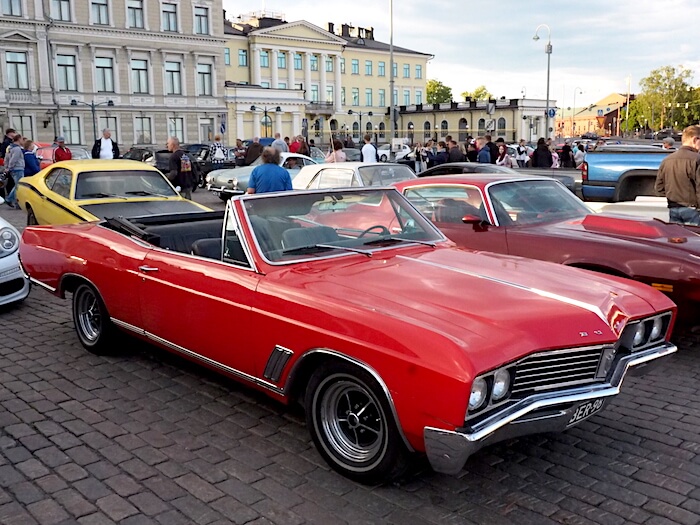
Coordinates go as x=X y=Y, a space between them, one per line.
x=266 y=118
x=410 y=133
x=573 y=111
x=361 y=114
x=92 y=105
x=548 y=50
x=376 y=134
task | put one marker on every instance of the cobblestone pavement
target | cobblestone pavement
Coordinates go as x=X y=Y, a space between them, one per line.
x=149 y=438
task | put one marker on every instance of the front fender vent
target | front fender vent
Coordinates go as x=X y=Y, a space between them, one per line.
x=276 y=362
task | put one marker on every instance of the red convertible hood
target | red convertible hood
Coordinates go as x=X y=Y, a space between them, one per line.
x=498 y=307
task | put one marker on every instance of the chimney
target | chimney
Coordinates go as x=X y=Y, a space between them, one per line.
x=331 y=28
x=345 y=31
x=370 y=33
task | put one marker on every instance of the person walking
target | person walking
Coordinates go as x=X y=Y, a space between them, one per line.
x=484 y=153
x=254 y=151
x=105 y=147
x=14 y=164
x=61 y=151
x=217 y=152
x=369 y=150
x=541 y=157
x=279 y=144
x=180 y=165
x=269 y=176
x=522 y=155
x=678 y=179
x=31 y=162
x=337 y=154
x=6 y=141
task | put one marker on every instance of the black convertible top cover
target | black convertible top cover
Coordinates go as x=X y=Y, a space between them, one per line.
x=138 y=209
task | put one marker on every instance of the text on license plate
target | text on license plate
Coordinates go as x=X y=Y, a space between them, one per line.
x=586 y=410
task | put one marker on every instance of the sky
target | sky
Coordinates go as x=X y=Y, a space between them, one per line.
x=597 y=44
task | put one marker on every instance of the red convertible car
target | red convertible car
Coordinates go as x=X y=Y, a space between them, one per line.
x=395 y=341
x=536 y=217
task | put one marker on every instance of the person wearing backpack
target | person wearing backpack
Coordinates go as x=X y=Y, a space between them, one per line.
x=217 y=153
x=180 y=165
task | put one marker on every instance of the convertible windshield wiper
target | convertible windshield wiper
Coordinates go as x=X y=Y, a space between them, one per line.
x=298 y=249
x=399 y=239
x=99 y=195
x=145 y=193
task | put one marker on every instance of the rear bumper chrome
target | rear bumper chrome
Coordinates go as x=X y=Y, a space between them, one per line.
x=448 y=450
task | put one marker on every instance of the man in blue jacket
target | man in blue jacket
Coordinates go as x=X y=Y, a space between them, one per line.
x=484 y=155
x=31 y=163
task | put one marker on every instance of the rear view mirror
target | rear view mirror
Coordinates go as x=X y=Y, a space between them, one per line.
x=471 y=219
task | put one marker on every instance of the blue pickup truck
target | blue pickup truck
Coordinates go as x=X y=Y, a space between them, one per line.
x=620 y=173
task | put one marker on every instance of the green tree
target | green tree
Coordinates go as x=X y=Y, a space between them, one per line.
x=665 y=93
x=437 y=92
x=480 y=93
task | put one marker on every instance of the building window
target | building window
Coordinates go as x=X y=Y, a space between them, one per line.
x=426 y=130
x=342 y=65
x=396 y=97
x=368 y=67
x=481 y=126
x=60 y=10
x=142 y=130
x=406 y=97
x=501 y=127
x=243 y=57
x=204 y=79
x=134 y=14
x=298 y=85
x=100 y=12
x=70 y=129
x=355 y=66
x=382 y=128
x=173 y=78
x=395 y=70
x=419 y=71
x=281 y=85
x=23 y=125
x=314 y=93
x=12 y=8
x=227 y=56
x=406 y=71
x=342 y=96
x=355 y=130
x=329 y=64
x=368 y=97
x=104 y=75
x=382 y=98
x=297 y=61
x=176 y=128
x=329 y=94
x=109 y=123
x=355 y=96
x=170 y=17
x=381 y=69
x=419 y=96
x=139 y=76
x=67 y=75
x=444 y=128
x=264 y=59
x=17 y=71
x=201 y=21
x=265 y=84
x=281 y=60
x=314 y=63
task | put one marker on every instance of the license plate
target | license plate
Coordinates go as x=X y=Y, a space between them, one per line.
x=586 y=410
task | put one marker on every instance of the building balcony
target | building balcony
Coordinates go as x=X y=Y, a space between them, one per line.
x=21 y=97
x=320 y=108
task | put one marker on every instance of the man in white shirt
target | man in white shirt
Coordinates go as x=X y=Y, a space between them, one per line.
x=369 y=150
x=279 y=144
x=105 y=147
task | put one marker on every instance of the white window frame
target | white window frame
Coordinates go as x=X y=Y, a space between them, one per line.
x=139 y=128
x=14 y=8
x=209 y=122
x=196 y=20
x=167 y=74
x=60 y=9
x=418 y=96
x=19 y=123
x=162 y=17
x=75 y=127
x=382 y=97
x=173 y=130
x=314 y=93
x=107 y=9
x=110 y=122
x=19 y=85
x=99 y=75
x=144 y=15
x=202 y=87
x=147 y=77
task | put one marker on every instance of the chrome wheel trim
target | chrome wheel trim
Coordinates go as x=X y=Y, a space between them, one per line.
x=89 y=316
x=353 y=423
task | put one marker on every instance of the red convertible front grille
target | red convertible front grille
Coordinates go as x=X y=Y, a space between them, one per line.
x=556 y=369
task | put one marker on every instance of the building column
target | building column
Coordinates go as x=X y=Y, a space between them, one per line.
x=290 y=70
x=322 y=87
x=274 y=74
x=307 y=75
x=255 y=65
x=278 y=123
x=239 y=126
x=337 y=88
x=256 y=124
x=296 y=122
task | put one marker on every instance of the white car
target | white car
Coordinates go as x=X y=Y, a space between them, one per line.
x=14 y=285
x=384 y=152
x=350 y=174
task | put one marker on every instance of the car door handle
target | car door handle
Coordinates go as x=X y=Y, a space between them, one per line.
x=148 y=269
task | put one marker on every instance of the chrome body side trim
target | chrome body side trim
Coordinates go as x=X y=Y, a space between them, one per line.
x=184 y=351
x=448 y=450
x=360 y=364
x=42 y=285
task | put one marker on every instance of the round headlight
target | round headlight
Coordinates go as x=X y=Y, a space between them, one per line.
x=8 y=240
x=656 y=329
x=478 y=396
x=501 y=382
x=638 y=335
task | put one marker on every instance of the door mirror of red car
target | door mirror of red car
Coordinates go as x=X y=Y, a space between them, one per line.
x=471 y=219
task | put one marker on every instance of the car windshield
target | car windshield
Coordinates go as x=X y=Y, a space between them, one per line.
x=80 y=154
x=122 y=183
x=384 y=175
x=292 y=226
x=534 y=201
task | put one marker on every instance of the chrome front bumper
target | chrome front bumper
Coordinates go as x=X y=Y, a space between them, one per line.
x=448 y=450
x=217 y=190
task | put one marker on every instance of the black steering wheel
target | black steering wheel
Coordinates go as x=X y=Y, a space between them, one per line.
x=383 y=230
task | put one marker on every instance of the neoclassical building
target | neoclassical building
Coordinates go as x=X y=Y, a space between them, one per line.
x=146 y=69
x=290 y=77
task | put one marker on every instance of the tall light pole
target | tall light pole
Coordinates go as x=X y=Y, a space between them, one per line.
x=92 y=105
x=266 y=118
x=573 y=111
x=548 y=50
x=361 y=114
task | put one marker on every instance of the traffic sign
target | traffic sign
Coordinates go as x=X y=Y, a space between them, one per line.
x=552 y=112
x=600 y=112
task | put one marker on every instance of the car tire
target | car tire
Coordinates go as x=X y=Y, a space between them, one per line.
x=31 y=217
x=92 y=323
x=352 y=424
